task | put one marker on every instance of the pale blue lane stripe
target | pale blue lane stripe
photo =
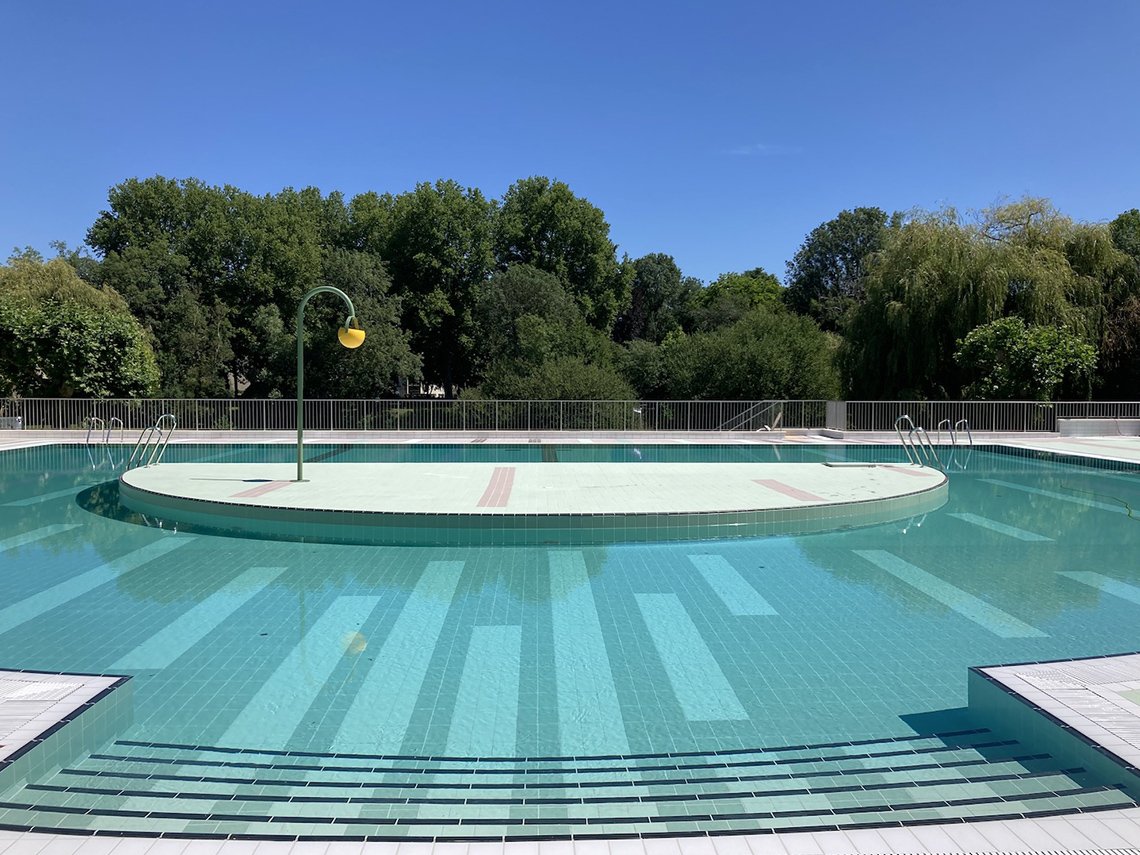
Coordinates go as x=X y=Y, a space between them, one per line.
x=46 y=600
x=485 y=719
x=733 y=589
x=279 y=706
x=44 y=497
x=589 y=716
x=378 y=719
x=1106 y=584
x=702 y=690
x=32 y=536
x=980 y=612
x=185 y=631
x=1001 y=528
x=1062 y=497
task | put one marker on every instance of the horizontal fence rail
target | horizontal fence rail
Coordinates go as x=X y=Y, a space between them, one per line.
x=246 y=414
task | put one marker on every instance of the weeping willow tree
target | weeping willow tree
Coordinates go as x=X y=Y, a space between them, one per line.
x=939 y=276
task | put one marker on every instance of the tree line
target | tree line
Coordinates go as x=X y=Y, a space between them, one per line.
x=190 y=290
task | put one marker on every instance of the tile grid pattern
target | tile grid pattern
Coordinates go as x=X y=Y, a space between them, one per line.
x=721 y=653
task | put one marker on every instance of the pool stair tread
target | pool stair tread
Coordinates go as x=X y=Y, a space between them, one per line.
x=941 y=810
x=700 y=795
x=472 y=783
x=940 y=737
x=162 y=788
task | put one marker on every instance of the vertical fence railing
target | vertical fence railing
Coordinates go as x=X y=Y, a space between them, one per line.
x=277 y=414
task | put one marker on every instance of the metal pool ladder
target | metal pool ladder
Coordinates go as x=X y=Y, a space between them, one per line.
x=955 y=434
x=152 y=441
x=103 y=438
x=916 y=443
x=105 y=429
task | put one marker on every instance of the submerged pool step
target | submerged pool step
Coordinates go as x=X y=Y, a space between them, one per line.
x=594 y=790
x=171 y=790
x=396 y=824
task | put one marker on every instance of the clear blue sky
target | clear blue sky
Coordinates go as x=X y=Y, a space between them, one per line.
x=720 y=133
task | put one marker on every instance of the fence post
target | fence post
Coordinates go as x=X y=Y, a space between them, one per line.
x=836 y=415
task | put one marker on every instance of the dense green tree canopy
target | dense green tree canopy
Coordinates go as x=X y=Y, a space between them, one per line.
x=661 y=300
x=64 y=337
x=543 y=224
x=768 y=353
x=436 y=243
x=1008 y=360
x=217 y=274
x=825 y=277
x=532 y=332
x=525 y=295
x=938 y=277
x=731 y=296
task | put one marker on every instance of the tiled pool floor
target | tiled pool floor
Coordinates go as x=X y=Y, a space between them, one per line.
x=841 y=778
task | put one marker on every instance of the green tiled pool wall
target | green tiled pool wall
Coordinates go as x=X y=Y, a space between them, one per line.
x=1062 y=457
x=522 y=529
x=97 y=722
x=1006 y=712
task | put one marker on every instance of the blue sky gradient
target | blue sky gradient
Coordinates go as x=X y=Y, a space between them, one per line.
x=719 y=133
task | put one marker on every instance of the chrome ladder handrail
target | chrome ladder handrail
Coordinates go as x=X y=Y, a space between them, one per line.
x=111 y=427
x=155 y=442
x=91 y=422
x=916 y=443
x=964 y=423
x=924 y=445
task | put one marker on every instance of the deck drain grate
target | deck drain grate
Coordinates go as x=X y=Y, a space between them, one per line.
x=34 y=690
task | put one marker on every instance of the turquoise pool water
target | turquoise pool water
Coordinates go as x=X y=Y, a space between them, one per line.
x=617 y=652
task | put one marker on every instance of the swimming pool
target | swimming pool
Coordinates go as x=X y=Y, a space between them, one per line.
x=322 y=689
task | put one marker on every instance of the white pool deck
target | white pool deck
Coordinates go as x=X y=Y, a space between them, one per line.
x=32 y=703
x=1098 y=698
x=1103 y=704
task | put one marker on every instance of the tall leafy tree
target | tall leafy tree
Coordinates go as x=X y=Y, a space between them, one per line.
x=437 y=244
x=1120 y=341
x=64 y=337
x=661 y=300
x=216 y=275
x=536 y=342
x=543 y=224
x=938 y=277
x=731 y=296
x=825 y=277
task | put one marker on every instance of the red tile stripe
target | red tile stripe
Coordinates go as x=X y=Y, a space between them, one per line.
x=789 y=490
x=498 y=491
x=261 y=489
x=915 y=471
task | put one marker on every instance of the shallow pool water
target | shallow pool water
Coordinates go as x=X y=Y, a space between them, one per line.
x=527 y=652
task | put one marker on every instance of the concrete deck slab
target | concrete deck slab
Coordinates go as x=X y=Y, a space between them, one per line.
x=1125 y=449
x=1099 y=698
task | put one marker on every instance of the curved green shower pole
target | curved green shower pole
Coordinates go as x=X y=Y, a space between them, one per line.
x=349 y=336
